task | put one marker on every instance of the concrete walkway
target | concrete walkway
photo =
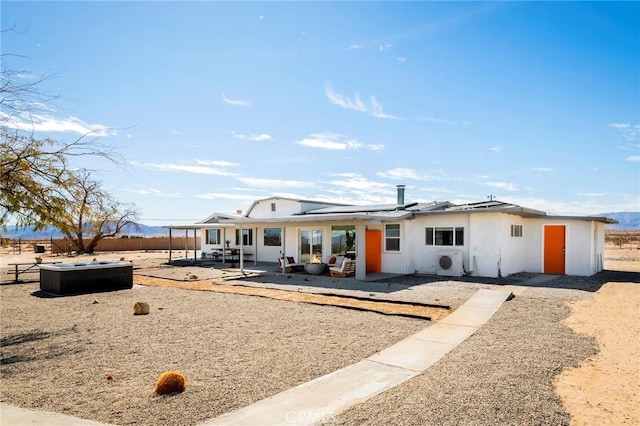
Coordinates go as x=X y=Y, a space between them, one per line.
x=10 y=415
x=322 y=398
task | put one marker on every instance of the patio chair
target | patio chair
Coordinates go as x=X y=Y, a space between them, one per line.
x=348 y=269
x=290 y=265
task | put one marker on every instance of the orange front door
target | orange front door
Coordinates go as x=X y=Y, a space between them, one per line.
x=554 y=249
x=374 y=251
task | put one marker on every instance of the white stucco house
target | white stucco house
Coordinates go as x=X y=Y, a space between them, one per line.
x=489 y=238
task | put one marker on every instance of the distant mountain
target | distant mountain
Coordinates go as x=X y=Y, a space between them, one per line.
x=627 y=220
x=50 y=232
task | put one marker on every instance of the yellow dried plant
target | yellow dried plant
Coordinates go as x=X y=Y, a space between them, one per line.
x=170 y=382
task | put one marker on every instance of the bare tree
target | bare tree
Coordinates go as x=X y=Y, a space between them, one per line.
x=90 y=214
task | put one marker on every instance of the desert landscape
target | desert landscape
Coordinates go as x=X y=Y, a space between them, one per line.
x=555 y=354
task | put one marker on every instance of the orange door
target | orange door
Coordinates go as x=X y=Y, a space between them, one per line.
x=554 y=249
x=374 y=251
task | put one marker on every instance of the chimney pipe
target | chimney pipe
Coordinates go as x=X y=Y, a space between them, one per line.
x=400 y=195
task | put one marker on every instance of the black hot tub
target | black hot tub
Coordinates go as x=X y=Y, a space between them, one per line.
x=86 y=277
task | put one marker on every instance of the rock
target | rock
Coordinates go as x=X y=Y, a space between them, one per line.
x=141 y=308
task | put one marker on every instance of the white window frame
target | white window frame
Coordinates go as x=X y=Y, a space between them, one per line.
x=434 y=241
x=247 y=234
x=264 y=240
x=214 y=241
x=516 y=231
x=388 y=237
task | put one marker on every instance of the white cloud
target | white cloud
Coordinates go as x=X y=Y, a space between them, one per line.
x=633 y=158
x=153 y=192
x=176 y=132
x=344 y=102
x=502 y=185
x=375 y=108
x=355 y=46
x=592 y=194
x=541 y=169
x=336 y=142
x=628 y=133
x=252 y=136
x=619 y=125
x=219 y=195
x=237 y=102
x=385 y=47
x=401 y=173
x=273 y=184
x=442 y=121
x=199 y=168
x=351 y=188
x=217 y=163
x=48 y=123
x=402 y=59
x=495 y=149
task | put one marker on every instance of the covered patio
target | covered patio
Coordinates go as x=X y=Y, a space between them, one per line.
x=232 y=253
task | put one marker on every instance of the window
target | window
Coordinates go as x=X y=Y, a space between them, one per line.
x=247 y=237
x=343 y=239
x=459 y=236
x=516 y=230
x=273 y=207
x=444 y=236
x=273 y=237
x=213 y=236
x=392 y=237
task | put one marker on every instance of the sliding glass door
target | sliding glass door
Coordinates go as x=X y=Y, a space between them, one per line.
x=310 y=245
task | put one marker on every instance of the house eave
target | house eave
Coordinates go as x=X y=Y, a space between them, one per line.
x=361 y=217
x=601 y=219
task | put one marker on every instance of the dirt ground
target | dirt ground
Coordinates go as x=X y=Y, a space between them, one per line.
x=606 y=389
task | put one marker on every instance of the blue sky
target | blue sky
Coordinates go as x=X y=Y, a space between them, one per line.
x=217 y=104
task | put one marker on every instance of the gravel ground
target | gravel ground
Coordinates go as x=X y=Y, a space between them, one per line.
x=503 y=374
x=56 y=352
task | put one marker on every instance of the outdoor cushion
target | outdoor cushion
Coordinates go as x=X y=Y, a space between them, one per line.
x=337 y=261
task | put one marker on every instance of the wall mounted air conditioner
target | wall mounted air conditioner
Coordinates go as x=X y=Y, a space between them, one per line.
x=450 y=263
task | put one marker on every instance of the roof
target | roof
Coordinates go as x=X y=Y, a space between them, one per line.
x=200 y=226
x=297 y=200
x=495 y=206
x=214 y=218
x=393 y=212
